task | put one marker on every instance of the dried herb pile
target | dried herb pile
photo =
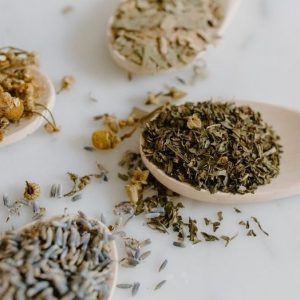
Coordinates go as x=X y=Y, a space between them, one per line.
x=160 y=34
x=18 y=89
x=147 y=195
x=163 y=212
x=213 y=146
x=65 y=258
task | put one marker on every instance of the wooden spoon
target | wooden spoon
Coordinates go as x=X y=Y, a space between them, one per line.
x=286 y=122
x=26 y=126
x=229 y=8
x=113 y=253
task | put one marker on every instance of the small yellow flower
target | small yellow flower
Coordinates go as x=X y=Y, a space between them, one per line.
x=104 y=139
x=140 y=176
x=32 y=191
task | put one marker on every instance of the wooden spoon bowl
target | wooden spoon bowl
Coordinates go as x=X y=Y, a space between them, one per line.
x=286 y=123
x=229 y=8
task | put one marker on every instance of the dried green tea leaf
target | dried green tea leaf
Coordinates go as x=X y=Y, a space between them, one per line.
x=259 y=226
x=123 y=177
x=216 y=226
x=251 y=233
x=207 y=221
x=228 y=239
x=220 y=216
x=193 y=229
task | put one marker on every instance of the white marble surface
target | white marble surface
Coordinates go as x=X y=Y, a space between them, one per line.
x=258 y=59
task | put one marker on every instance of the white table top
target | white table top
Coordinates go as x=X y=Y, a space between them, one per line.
x=258 y=59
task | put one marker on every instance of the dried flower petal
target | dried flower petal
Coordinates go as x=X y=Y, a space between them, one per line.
x=140 y=176
x=132 y=191
x=32 y=191
x=111 y=122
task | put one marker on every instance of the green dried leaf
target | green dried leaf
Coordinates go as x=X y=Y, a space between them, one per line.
x=228 y=239
x=209 y=237
x=259 y=226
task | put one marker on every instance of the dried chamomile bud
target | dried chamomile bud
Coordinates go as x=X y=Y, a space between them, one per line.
x=32 y=191
x=51 y=128
x=11 y=107
x=140 y=176
x=194 y=122
x=15 y=113
x=175 y=94
x=66 y=83
x=104 y=139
